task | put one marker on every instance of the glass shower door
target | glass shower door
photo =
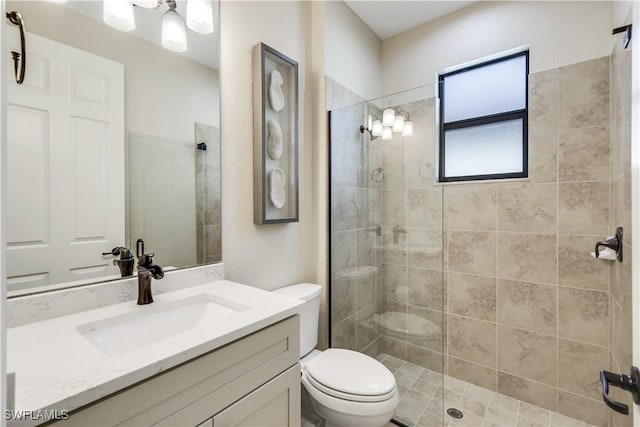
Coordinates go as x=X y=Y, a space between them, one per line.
x=386 y=246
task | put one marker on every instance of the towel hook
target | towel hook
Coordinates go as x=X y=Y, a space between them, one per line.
x=16 y=19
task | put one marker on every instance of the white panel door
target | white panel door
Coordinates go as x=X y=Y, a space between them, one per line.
x=65 y=175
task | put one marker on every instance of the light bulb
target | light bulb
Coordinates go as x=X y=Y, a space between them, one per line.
x=200 y=16
x=174 y=33
x=407 y=130
x=388 y=117
x=147 y=4
x=118 y=14
x=387 y=134
x=376 y=128
x=398 y=124
x=369 y=122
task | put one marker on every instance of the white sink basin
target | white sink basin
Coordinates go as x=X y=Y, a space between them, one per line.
x=129 y=331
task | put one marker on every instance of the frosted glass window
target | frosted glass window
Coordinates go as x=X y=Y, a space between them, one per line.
x=490 y=149
x=489 y=89
x=483 y=113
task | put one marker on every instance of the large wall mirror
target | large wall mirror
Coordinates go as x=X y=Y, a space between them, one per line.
x=111 y=138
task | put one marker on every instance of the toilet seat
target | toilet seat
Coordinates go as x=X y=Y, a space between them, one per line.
x=349 y=375
x=347 y=396
x=359 y=413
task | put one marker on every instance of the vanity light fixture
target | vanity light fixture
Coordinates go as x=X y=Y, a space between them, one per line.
x=200 y=16
x=407 y=130
x=174 y=32
x=376 y=128
x=119 y=15
x=387 y=134
x=401 y=123
x=388 y=116
x=398 y=123
x=147 y=4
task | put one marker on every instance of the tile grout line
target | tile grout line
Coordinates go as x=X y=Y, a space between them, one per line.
x=557 y=143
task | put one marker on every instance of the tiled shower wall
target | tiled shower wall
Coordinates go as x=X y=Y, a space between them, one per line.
x=620 y=277
x=354 y=225
x=526 y=311
x=208 y=198
x=528 y=307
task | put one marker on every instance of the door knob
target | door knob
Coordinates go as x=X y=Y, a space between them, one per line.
x=630 y=383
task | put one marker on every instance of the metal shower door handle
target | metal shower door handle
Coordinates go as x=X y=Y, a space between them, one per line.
x=630 y=383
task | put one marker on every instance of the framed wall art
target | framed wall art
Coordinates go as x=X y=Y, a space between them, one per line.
x=275 y=141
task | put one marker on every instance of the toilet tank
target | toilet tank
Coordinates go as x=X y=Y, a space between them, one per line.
x=309 y=312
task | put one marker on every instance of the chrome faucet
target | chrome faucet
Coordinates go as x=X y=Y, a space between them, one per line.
x=146 y=270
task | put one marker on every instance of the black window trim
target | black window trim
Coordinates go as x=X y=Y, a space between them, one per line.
x=483 y=120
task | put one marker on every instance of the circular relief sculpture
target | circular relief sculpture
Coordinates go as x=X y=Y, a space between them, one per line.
x=277 y=188
x=276 y=96
x=274 y=142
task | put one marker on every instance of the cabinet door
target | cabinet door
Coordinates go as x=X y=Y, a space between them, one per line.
x=277 y=404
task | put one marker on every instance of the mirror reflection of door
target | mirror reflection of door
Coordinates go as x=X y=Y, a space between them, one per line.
x=66 y=171
x=73 y=156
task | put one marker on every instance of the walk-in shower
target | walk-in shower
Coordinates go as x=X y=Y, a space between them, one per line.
x=481 y=296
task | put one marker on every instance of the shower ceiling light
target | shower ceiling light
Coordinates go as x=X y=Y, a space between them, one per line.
x=388 y=117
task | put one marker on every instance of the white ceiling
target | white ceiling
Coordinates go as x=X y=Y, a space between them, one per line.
x=388 y=18
x=202 y=48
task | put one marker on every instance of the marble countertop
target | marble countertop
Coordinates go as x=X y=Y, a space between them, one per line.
x=57 y=368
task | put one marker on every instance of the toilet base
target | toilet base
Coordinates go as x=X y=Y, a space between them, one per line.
x=337 y=419
x=360 y=414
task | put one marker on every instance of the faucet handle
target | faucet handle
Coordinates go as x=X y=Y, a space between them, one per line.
x=125 y=253
x=115 y=252
x=139 y=248
x=145 y=260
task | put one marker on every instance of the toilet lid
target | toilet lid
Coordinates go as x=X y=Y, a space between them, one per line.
x=351 y=375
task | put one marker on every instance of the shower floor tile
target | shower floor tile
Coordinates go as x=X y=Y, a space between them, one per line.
x=425 y=395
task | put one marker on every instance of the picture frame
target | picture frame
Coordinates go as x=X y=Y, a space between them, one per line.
x=276 y=136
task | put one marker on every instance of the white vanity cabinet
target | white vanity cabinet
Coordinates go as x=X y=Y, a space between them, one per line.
x=253 y=381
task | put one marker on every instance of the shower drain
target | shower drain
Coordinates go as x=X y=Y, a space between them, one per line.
x=455 y=413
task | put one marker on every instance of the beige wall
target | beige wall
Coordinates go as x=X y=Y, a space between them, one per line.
x=558 y=33
x=353 y=52
x=265 y=256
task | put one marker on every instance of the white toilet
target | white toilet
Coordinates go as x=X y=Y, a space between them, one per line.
x=346 y=388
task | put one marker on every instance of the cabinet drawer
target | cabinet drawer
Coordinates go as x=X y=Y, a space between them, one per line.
x=275 y=404
x=229 y=372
